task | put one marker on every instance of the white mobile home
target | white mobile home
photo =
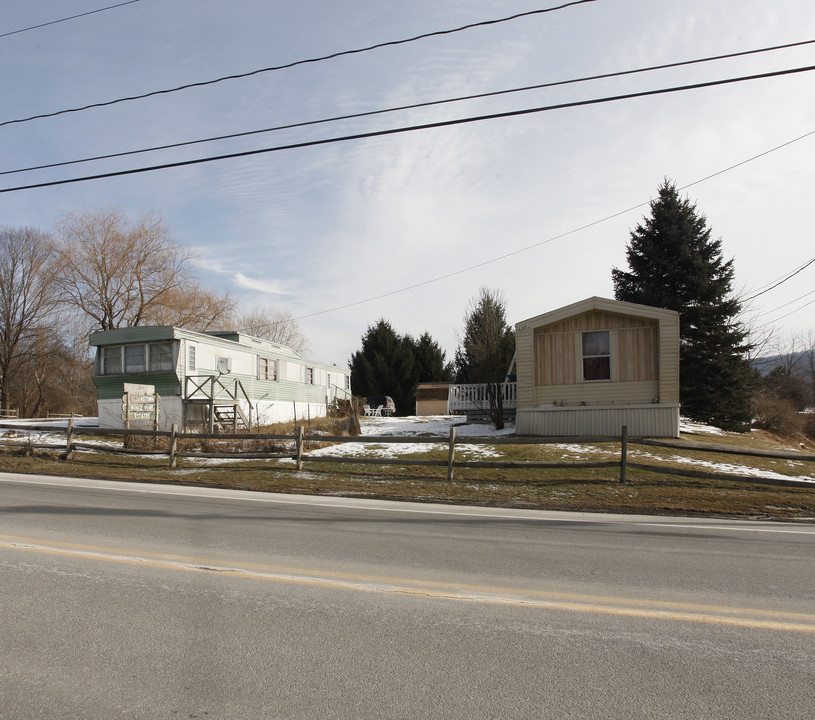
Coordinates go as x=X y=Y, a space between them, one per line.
x=214 y=379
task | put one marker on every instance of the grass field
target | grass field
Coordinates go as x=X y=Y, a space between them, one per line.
x=587 y=489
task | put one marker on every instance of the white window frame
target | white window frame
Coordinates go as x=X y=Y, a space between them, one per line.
x=192 y=357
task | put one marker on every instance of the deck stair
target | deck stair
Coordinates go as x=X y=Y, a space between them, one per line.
x=229 y=418
x=223 y=403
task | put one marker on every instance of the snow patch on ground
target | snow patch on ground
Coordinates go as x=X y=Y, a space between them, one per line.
x=726 y=468
x=413 y=426
x=439 y=426
x=691 y=426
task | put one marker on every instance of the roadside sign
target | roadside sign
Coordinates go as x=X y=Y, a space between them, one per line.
x=139 y=402
x=137 y=389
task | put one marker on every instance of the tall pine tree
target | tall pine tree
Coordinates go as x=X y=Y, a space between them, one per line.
x=673 y=263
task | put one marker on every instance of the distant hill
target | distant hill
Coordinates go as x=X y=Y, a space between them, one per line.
x=765 y=365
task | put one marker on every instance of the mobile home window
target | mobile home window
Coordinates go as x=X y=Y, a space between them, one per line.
x=267 y=369
x=130 y=359
x=135 y=361
x=161 y=357
x=596 y=355
x=309 y=376
x=192 y=363
x=111 y=361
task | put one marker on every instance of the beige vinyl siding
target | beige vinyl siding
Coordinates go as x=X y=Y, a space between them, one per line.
x=669 y=360
x=595 y=320
x=558 y=373
x=525 y=362
x=555 y=359
x=596 y=393
x=637 y=357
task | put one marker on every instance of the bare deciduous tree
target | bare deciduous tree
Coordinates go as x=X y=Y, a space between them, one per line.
x=192 y=306
x=28 y=301
x=123 y=274
x=277 y=326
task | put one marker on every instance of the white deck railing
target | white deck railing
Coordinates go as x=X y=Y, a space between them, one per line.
x=475 y=397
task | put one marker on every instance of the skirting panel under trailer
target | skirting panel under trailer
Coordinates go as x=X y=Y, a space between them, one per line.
x=647 y=420
x=172 y=413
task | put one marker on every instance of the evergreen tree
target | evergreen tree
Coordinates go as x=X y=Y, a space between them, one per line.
x=431 y=362
x=673 y=263
x=393 y=364
x=384 y=366
x=486 y=349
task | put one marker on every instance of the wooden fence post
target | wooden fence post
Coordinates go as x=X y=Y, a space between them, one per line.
x=451 y=455
x=300 y=438
x=69 y=439
x=623 y=452
x=173 y=445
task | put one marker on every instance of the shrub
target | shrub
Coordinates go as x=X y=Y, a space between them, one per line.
x=777 y=415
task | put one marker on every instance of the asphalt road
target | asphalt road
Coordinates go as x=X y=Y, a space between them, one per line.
x=151 y=601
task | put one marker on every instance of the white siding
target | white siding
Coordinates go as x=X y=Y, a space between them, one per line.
x=294 y=372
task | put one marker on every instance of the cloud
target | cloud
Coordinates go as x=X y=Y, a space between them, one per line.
x=263 y=286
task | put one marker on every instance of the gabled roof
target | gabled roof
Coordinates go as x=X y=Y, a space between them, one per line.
x=596 y=303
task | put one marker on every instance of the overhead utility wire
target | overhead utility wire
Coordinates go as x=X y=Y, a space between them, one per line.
x=414 y=106
x=65 y=19
x=781 y=281
x=295 y=63
x=791 y=312
x=573 y=231
x=413 y=128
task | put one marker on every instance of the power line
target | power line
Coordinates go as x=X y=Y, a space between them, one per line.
x=295 y=63
x=750 y=159
x=414 y=106
x=65 y=19
x=461 y=271
x=412 y=128
x=780 y=281
x=792 y=312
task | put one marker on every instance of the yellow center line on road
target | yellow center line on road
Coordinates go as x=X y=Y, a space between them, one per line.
x=754 y=618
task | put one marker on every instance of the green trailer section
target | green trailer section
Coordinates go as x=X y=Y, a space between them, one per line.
x=196 y=373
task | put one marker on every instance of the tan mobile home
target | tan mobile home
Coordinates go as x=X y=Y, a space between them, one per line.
x=592 y=367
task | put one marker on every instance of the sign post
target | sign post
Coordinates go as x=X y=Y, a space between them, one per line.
x=140 y=403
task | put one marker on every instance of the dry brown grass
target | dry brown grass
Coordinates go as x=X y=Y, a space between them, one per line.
x=576 y=488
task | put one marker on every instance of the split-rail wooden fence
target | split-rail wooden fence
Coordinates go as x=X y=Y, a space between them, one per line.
x=300 y=440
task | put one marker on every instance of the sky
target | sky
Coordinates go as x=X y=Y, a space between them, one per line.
x=409 y=226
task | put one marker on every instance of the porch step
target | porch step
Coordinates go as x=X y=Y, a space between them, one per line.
x=228 y=417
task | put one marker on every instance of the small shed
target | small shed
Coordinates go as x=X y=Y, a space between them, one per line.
x=590 y=368
x=218 y=378
x=432 y=398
